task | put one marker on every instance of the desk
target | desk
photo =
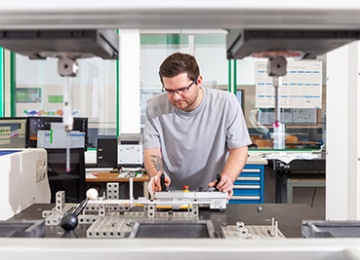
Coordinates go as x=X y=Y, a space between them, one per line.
x=289 y=183
x=297 y=173
x=113 y=177
x=106 y=177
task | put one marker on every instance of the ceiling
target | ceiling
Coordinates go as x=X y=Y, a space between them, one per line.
x=186 y=14
x=222 y=15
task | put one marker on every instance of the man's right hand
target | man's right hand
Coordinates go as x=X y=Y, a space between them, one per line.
x=155 y=183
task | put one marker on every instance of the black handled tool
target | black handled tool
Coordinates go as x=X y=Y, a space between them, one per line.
x=162 y=182
x=218 y=177
x=213 y=188
x=69 y=221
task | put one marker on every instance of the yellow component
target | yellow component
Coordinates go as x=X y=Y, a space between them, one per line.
x=185 y=188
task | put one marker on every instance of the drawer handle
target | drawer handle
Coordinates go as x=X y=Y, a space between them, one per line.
x=245 y=197
x=253 y=187
x=251 y=170
x=248 y=179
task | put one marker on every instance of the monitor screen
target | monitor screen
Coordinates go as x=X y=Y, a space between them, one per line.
x=12 y=132
x=34 y=124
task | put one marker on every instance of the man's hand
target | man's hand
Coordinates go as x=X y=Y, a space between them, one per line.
x=155 y=184
x=225 y=185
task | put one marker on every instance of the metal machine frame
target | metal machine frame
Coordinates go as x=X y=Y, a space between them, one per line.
x=186 y=14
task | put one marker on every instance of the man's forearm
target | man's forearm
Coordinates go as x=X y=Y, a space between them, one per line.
x=235 y=162
x=153 y=162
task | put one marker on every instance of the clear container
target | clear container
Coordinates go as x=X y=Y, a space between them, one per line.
x=279 y=136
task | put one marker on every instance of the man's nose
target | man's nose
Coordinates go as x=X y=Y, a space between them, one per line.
x=176 y=96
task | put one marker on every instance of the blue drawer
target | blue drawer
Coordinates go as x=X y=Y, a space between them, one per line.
x=253 y=168
x=248 y=187
x=247 y=192
x=247 y=175
x=252 y=181
x=244 y=201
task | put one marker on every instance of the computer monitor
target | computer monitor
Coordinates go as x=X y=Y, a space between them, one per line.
x=12 y=132
x=36 y=123
x=72 y=182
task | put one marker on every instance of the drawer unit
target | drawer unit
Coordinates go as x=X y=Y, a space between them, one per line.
x=249 y=186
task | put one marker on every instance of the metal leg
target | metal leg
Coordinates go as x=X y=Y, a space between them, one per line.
x=289 y=191
x=278 y=189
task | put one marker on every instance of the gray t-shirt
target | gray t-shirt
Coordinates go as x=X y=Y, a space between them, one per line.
x=194 y=144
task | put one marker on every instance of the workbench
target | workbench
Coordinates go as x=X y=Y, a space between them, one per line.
x=289 y=217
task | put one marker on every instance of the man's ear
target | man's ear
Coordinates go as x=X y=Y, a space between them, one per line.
x=199 y=80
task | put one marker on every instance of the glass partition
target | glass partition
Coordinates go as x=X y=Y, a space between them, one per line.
x=304 y=127
x=39 y=89
x=39 y=92
x=304 y=123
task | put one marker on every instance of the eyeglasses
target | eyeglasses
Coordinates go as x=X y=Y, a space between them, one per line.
x=179 y=91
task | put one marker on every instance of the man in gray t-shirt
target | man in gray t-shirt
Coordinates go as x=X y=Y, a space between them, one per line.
x=193 y=133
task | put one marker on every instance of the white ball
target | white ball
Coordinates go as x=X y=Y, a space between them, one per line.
x=92 y=194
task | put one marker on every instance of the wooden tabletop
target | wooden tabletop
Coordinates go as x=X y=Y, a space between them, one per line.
x=113 y=177
x=298 y=144
x=304 y=143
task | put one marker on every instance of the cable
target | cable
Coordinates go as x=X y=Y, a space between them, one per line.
x=313 y=197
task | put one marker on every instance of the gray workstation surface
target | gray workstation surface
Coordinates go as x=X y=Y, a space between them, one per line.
x=289 y=217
